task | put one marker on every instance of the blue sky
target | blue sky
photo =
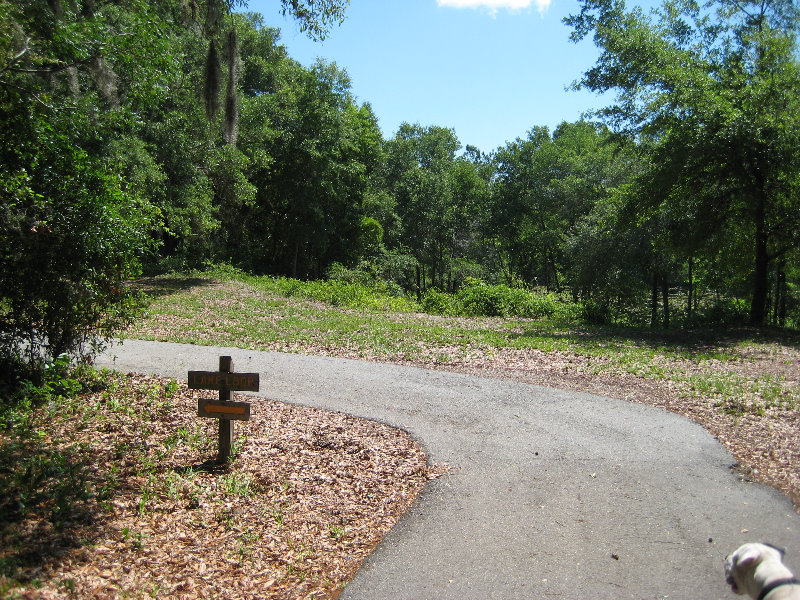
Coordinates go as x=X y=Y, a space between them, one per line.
x=490 y=69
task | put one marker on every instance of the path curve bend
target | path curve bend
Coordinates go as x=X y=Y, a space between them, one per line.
x=551 y=493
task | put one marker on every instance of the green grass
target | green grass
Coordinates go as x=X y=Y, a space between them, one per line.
x=229 y=308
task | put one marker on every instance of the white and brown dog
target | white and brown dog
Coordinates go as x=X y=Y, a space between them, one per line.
x=758 y=570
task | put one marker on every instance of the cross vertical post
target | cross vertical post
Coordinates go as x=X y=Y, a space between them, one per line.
x=225 y=425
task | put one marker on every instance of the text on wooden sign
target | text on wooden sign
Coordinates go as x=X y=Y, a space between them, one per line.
x=215 y=380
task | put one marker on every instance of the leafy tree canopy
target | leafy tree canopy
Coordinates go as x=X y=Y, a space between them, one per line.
x=714 y=90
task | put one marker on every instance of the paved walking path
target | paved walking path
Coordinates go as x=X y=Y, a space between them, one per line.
x=552 y=494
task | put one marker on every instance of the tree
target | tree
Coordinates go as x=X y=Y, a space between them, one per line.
x=313 y=150
x=72 y=232
x=469 y=181
x=717 y=90
x=420 y=174
x=518 y=210
x=543 y=186
x=316 y=17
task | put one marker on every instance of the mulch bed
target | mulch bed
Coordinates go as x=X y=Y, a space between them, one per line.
x=308 y=496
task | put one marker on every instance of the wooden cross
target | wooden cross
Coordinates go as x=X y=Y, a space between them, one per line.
x=224 y=380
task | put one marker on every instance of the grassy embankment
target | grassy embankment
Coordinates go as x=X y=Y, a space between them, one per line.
x=739 y=371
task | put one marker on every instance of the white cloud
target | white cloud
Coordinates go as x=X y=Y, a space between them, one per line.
x=495 y=5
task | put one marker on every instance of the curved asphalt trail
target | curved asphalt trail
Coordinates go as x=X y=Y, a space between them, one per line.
x=552 y=494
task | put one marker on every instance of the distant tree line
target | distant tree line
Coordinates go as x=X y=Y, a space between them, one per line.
x=162 y=135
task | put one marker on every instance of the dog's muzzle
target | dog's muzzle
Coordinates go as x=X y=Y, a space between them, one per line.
x=731 y=582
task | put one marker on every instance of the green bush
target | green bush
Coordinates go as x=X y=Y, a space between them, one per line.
x=72 y=238
x=726 y=311
x=596 y=312
x=545 y=305
x=479 y=299
x=435 y=302
x=346 y=288
x=362 y=274
x=25 y=386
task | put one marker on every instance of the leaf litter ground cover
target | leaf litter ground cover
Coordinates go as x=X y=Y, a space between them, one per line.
x=743 y=386
x=113 y=495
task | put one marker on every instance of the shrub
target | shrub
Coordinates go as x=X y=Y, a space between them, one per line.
x=596 y=312
x=23 y=386
x=544 y=305
x=72 y=239
x=338 y=272
x=435 y=302
x=479 y=299
x=726 y=311
x=347 y=288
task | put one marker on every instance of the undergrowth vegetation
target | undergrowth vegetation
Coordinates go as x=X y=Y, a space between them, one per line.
x=479 y=299
x=59 y=477
x=363 y=288
x=361 y=317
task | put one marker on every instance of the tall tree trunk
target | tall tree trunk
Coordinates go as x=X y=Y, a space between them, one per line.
x=546 y=270
x=665 y=300
x=780 y=296
x=761 y=272
x=654 y=302
x=691 y=290
x=782 y=307
x=551 y=265
x=441 y=267
x=556 y=279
